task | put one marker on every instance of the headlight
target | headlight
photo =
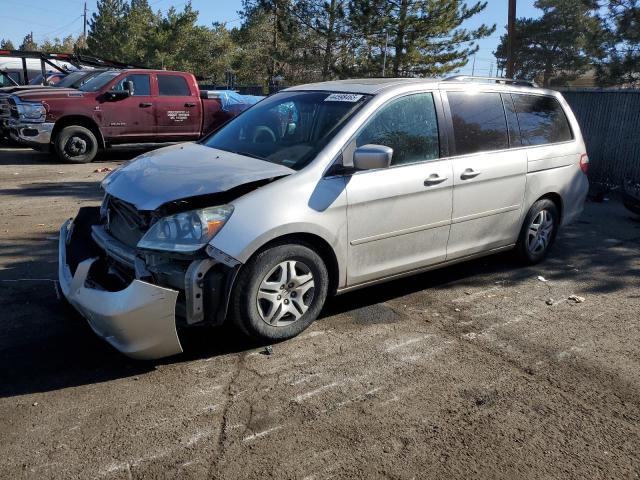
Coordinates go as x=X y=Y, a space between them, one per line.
x=187 y=231
x=35 y=112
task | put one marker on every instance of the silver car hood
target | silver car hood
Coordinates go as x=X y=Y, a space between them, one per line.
x=183 y=171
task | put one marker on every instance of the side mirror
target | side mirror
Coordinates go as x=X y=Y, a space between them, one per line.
x=370 y=157
x=114 y=95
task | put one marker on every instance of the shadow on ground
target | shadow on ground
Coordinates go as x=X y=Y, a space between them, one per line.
x=45 y=346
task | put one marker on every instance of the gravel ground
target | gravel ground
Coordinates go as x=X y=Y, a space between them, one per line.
x=481 y=370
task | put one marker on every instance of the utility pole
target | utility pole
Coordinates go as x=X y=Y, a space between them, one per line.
x=511 y=28
x=84 y=31
x=384 y=62
x=275 y=40
x=473 y=66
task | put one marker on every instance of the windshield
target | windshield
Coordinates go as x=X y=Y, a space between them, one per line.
x=96 y=83
x=71 y=79
x=289 y=128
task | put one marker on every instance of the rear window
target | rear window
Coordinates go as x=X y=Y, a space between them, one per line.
x=173 y=86
x=479 y=122
x=541 y=120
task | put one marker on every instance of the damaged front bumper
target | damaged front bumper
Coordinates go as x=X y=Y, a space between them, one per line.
x=139 y=321
x=31 y=134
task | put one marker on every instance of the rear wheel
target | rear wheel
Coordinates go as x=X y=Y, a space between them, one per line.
x=538 y=231
x=76 y=144
x=279 y=292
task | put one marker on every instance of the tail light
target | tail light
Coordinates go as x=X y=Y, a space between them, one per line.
x=584 y=163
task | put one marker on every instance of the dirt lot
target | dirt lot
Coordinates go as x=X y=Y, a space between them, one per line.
x=466 y=372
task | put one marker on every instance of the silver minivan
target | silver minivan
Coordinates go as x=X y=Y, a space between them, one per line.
x=318 y=190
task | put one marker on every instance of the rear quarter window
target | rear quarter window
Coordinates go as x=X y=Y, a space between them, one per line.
x=173 y=86
x=541 y=120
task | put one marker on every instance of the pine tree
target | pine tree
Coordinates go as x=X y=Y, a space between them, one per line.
x=6 y=44
x=427 y=37
x=28 y=43
x=107 y=29
x=620 y=62
x=557 y=47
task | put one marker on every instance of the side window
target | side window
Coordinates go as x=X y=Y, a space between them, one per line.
x=479 y=123
x=541 y=119
x=141 y=85
x=173 y=86
x=408 y=125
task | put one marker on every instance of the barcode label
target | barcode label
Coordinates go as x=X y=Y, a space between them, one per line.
x=343 y=97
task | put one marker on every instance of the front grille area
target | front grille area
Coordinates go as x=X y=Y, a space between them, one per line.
x=5 y=109
x=124 y=221
x=13 y=108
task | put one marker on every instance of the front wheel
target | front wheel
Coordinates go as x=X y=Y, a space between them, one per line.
x=76 y=144
x=279 y=292
x=538 y=231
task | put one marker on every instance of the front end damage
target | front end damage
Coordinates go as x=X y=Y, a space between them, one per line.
x=135 y=299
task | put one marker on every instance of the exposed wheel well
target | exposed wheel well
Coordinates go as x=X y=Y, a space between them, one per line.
x=555 y=198
x=81 y=121
x=320 y=246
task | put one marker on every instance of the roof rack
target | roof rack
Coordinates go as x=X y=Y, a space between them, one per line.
x=509 y=81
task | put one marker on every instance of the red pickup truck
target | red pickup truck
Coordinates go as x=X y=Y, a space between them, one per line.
x=117 y=107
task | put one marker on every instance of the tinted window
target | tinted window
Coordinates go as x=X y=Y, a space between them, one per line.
x=173 y=86
x=408 y=125
x=141 y=85
x=479 y=124
x=541 y=120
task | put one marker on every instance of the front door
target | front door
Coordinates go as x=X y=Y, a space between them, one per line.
x=179 y=109
x=488 y=178
x=399 y=217
x=130 y=119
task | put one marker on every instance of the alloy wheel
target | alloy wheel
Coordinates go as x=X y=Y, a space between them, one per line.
x=540 y=232
x=285 y=293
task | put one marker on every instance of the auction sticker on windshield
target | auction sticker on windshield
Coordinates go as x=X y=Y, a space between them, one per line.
x=343 y=97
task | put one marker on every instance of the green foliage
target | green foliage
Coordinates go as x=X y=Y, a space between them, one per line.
x=557 y=47
x=620 y=63
x=28 y=43
x=65 y=45
x=6 y=44
x=293 y=41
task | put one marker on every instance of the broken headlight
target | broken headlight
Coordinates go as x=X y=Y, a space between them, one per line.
x=186 y=231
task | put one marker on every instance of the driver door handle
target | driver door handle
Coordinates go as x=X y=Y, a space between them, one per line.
x=145 y=105
x=469 y=173
x=189 y=104
x=434 y=179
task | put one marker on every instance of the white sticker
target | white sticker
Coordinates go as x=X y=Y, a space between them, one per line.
x=343 y=97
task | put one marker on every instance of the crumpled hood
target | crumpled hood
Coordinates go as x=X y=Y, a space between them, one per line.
x=185 y=170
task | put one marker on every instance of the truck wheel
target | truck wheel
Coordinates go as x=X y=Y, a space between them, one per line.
x=279 y=292
x=76 y=144
x=538 y=232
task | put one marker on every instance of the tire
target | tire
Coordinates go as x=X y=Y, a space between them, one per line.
x=538 y=232
x=280 y=313
x=76 y=144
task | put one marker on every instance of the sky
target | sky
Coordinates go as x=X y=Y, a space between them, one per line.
x=57 y=18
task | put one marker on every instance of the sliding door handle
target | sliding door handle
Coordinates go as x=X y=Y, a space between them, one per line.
x=469 y=173
x=145 y=105
x=189 y=104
